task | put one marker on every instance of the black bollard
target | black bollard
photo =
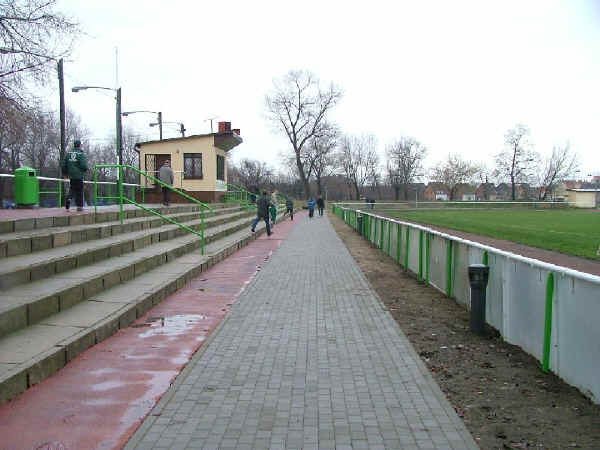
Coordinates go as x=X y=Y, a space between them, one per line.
x=478 y=278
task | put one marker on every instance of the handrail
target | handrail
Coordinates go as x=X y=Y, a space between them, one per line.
x=58 y=191
x=243 y=194
x=122 y=198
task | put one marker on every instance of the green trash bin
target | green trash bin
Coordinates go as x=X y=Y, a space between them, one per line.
x=27 y=187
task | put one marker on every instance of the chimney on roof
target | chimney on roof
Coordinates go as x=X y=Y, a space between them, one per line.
x=224 y=127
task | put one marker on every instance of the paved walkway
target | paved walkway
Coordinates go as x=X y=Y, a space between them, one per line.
x=307 y=358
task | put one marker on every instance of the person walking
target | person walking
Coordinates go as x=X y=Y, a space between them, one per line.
x=320 y=205
x=165 y=174
x=273 y=213
x=74 y=167
x=311 y=207
x=262 y=212
x=289 y=208
x=273 y=208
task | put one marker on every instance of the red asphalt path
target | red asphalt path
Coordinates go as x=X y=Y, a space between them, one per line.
x=101 y=397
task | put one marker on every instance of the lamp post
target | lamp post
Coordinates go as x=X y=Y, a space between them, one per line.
x=159 y=119
x=181 y=127
x=119 y=125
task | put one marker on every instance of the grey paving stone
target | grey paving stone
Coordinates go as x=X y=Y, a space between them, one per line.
x=310 y=353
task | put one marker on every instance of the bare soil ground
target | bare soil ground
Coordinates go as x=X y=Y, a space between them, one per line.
x=501 y=393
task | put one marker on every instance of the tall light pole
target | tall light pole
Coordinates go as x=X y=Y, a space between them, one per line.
x=159 y=119
x=118 y=116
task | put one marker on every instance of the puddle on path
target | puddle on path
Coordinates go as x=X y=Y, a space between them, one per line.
x=172 y=325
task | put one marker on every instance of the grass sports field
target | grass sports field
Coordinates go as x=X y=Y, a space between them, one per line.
x=569 y=231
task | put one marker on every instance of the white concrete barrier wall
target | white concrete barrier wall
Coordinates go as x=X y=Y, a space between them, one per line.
x=515 y=297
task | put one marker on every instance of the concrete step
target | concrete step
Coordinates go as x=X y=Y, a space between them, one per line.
x=18 y=270
x=34 y=353
x=28 y=304
x=24 y=242
x=58 y=217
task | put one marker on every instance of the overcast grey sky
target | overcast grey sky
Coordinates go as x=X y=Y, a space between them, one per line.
x=455 y=75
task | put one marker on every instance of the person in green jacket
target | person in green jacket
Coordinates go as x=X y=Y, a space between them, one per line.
x=74 y=167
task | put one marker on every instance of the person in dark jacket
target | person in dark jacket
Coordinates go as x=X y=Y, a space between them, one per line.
x=311 y=208
x=165 y=174
x=74 y=167
x=262 y=212
x=289 y=208
x=320 y=205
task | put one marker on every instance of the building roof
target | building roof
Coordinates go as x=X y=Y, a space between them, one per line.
x=224 y=141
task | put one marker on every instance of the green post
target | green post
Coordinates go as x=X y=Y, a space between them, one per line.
x=485 y=258
x=389 y=238
x=398 y=243
x=548 y=322
x=95 y=190
x=449 y=269
x=406 y=248
x=420 y=275
x=381 y=234
x=120 y=187
x=427 y=256
x=59 y=192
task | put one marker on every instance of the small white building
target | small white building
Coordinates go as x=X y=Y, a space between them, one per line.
x=583 y=198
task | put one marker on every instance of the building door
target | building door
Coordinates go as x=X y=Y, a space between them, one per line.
x=153 y=165
x=150 y=169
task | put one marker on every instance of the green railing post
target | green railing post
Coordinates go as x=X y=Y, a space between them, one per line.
x=389 y=238
x=120 y=187
x=381 y=234
x=449 y=268
x=95 y=190
x=548 y=322
x=398 y=242
x=406 y=248
x=420 y=275
x=427 y=256
x=59 y=192
x=485 y=258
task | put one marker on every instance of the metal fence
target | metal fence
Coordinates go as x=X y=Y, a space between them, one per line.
x=551 y=312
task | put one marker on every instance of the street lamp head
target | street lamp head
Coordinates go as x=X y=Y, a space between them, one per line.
x=76 y=89
x=153 y=124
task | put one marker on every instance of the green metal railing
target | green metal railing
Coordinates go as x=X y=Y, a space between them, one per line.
x=122 y=198
x=237 y=194
x=57 y=192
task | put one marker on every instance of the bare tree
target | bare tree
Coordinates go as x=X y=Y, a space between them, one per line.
x=252 y=174
x=41 y=143
x=322 y=161
x=13 y=121
x=452 y=172
x=32 y=34
x=298 y=107
x=404 y=163
x=558 y=166
x=516 y=159
x=358 y=159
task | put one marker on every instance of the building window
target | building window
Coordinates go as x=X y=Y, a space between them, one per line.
x=220 y=168
x=192 y=165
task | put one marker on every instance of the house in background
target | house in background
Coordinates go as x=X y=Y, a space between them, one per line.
x=436 y=191
x=465 y=192
x=584 y=198
x=486 y=192
x=199 y=163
